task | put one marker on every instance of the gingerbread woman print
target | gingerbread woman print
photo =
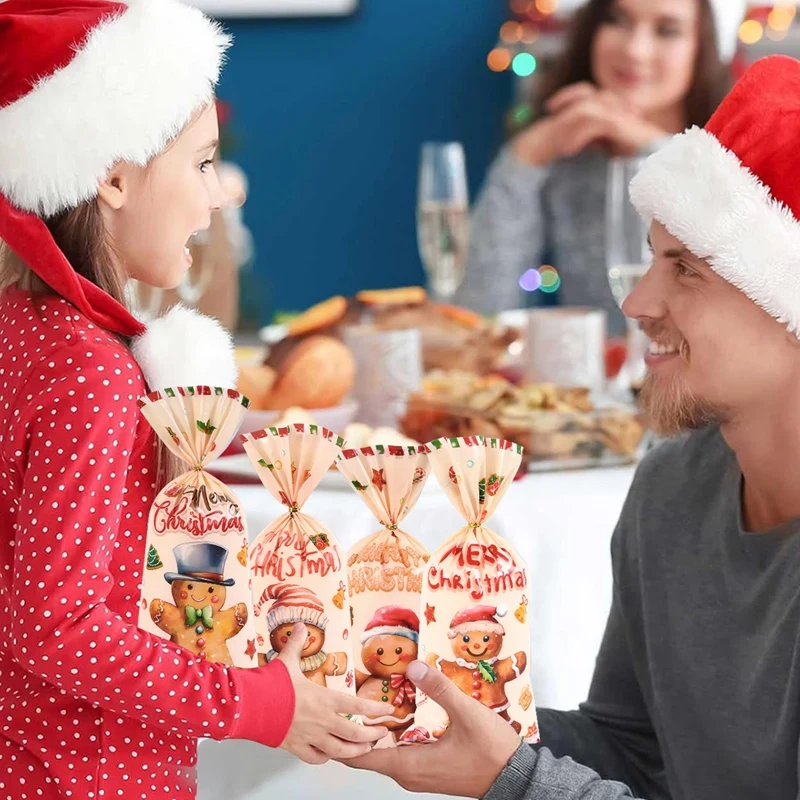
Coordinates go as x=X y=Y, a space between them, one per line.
x=198 y=620
x=389 y=645
x=293 y=604
x=476 y=637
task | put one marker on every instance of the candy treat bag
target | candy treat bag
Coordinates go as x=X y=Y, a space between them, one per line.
x=196 y=585
x=297 y=566
x=385 y=576
x=475 y=592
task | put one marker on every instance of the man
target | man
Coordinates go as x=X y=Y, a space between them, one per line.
x=696 y=692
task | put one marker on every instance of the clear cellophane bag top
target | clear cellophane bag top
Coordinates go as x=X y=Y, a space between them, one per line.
x=297 y=566
x=385 y=576
x=475 y=594
x=196 y=581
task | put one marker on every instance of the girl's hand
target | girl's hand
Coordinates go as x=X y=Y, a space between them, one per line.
x=318 y=732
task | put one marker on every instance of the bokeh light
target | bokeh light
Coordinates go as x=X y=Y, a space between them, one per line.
x=547 y=6
x=545 y=279
x=524 y=64
x=751 y=31
x=499 y=59
x=530 y=280
x=530 y=33
x=551 y=280
x=519 y=6
x=522 y=114
x=511 y=32
x=781 y=17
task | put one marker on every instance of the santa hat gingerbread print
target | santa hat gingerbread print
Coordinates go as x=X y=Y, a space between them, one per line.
x=76 y=98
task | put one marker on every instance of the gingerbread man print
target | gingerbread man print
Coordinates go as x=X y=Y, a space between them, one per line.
x=293 y=604
x=477 y=638
x=389 y=645
x=198 y=620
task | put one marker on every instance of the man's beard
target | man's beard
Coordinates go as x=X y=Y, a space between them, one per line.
x=670 y=407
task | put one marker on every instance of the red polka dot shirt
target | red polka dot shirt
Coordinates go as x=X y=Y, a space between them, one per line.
x=91 y=706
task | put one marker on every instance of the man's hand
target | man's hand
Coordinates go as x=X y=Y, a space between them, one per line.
x=465 y=761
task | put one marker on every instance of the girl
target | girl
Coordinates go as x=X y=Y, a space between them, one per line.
x=633 y=73
x=107 y=136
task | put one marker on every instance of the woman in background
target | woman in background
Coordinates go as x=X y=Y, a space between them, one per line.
x=633 y=73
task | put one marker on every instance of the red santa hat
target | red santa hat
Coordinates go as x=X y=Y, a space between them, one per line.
x=477 y=618
x=392 y=621
x=85 y=84
x=292 y=604
x=729 y=192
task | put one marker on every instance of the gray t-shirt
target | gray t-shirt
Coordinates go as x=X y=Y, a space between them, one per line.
x=696 y=691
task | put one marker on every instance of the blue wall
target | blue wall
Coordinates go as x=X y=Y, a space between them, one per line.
x=329 y=115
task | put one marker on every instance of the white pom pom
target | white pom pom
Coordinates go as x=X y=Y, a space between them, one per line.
x=502 y=610
x=185 y=348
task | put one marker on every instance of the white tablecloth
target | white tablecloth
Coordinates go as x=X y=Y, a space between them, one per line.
x=561 y=523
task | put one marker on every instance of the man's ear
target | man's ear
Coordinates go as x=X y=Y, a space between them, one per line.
x=114 y=191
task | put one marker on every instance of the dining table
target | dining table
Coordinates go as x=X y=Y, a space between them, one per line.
x=561 y=524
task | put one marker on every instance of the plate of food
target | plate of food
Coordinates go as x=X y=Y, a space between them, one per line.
x=452 y=337
x=560 y=428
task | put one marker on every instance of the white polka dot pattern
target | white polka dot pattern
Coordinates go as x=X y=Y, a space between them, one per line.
x=91 y=707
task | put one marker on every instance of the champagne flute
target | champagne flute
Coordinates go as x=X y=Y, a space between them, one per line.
x=198 y=278
x=443 y=217
x=627 y=258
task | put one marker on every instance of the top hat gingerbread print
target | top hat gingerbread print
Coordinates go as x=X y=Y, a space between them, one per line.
x=200 y=561
x=197 y=619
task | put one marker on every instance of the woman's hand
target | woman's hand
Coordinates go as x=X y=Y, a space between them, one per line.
x=468 y=758
x=318 y=732
x=581 y=115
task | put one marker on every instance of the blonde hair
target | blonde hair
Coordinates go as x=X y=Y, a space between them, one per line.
x=81 y=235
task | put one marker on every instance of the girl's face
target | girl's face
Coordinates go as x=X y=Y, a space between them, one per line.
x=646 y=51
x=151 y=213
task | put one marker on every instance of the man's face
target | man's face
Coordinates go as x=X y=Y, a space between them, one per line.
x=724 y=355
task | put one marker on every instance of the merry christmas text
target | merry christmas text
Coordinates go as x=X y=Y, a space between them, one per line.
x=292 y=555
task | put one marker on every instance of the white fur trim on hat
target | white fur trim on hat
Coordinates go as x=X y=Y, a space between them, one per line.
x=285 y=615
x=185 y=348
x=390 y=630
x=131 y=88
x=705 y=197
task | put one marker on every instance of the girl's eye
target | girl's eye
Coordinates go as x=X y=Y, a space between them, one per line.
x=204 y=165
x=683 y=271
x=669 y=31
